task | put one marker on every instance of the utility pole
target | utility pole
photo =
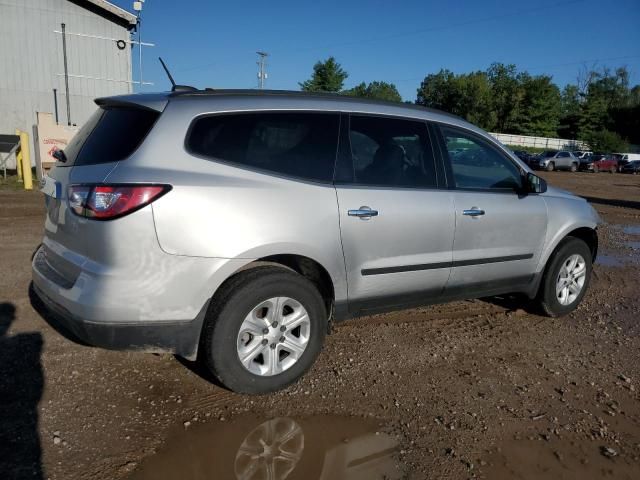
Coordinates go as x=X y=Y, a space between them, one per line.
x=262 y=63
x=137 y=6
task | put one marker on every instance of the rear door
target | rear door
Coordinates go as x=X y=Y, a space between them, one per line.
x=396 y=223
x=499 y=233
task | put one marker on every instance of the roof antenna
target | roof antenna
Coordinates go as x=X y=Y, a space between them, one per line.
x=174 y=87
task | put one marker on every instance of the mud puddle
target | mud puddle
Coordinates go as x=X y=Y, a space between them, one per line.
x=608 y=258
x=631 y=229
x=249 y=448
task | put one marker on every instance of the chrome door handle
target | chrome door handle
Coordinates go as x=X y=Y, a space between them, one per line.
x=363 y=212
x=473 y=212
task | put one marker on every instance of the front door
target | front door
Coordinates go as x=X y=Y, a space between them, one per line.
x=499 y=231
x=396 y=224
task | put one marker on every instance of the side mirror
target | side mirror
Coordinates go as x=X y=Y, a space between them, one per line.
x=535 y=184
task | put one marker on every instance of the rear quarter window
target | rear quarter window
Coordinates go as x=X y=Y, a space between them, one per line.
x=296 y=144
x=110 y=135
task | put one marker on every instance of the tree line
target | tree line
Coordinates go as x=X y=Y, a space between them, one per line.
x=601 y=108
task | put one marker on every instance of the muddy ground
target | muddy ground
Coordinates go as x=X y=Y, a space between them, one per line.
x=478 y=389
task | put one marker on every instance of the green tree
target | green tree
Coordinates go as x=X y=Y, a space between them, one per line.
x=538 y=113
x=571 y=109
x=505 y=92
x=606 y=141
x=328 y=76
x=440 y=90
x=376 y=90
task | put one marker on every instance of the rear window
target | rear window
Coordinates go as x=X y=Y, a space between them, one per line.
x=290 y=143
x=110 y=135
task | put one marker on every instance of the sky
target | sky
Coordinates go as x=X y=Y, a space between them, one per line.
x=213 y=43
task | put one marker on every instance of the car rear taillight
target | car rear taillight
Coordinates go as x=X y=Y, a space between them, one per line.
x=106 y=202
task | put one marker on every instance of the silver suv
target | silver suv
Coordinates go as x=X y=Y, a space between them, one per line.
x=237 y=226
x=558 y=160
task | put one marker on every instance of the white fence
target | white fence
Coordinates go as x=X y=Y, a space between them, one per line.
x=540 y=142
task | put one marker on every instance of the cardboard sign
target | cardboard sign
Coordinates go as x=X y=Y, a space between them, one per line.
x=51 y=137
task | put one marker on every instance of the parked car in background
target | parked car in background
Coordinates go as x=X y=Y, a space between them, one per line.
x=631 y=167
x=600 y=162
x=526 y=157
x=624 y=158
x=551 y=160
x=582 y=154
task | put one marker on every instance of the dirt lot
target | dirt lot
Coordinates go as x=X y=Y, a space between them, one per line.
x=478 y=389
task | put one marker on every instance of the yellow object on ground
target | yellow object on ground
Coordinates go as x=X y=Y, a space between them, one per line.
x=26 y=161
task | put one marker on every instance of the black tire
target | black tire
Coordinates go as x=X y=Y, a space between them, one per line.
x=613 y=170
x=596 y=169
x=547 y=298
x=550 y=167
x=574 y=167
x=232 y=303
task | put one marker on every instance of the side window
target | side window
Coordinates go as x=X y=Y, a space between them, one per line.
x=563 y=155
x=478 y=165
x=391 y=152
x=296 y=144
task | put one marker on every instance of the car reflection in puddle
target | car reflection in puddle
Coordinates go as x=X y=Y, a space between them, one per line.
x=631 y=229
x=336 y=448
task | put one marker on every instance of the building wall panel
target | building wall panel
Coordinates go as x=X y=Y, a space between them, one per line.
x=31 y=60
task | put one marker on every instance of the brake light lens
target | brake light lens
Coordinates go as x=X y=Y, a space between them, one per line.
x=106 y=202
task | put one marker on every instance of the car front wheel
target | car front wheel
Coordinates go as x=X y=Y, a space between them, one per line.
x=566 y=277
x=265 y=330
x=550 y=167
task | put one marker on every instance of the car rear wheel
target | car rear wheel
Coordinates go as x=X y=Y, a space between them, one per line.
x=613 y=170
x=566 y=277
x=595 y=169
x=574 y=167
x=550 y=167
x=265 y=331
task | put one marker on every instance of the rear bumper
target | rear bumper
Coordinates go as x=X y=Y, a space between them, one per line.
x=177 y=337
x=155 y=303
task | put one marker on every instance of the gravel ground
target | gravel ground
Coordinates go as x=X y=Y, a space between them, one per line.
x=477 y=389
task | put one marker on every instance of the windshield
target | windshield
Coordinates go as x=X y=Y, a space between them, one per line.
x=548 y=153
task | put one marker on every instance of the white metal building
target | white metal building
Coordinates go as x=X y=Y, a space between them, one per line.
x=32 y=63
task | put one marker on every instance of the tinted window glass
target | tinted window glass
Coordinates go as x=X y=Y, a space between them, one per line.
x=391 y=152
x=563 y=155
x=110 y=135
x=476 y=164
x=297 y=144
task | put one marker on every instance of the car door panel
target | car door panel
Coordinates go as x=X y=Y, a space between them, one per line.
x=499 y=231
x=402 y=254
x=404 y=250
x=503 y=244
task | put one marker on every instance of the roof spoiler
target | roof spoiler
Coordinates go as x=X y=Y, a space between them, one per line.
x=149 y=101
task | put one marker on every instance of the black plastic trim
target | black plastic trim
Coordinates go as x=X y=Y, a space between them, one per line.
x=432 y=266
x=178 y=337
x=527 y=284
